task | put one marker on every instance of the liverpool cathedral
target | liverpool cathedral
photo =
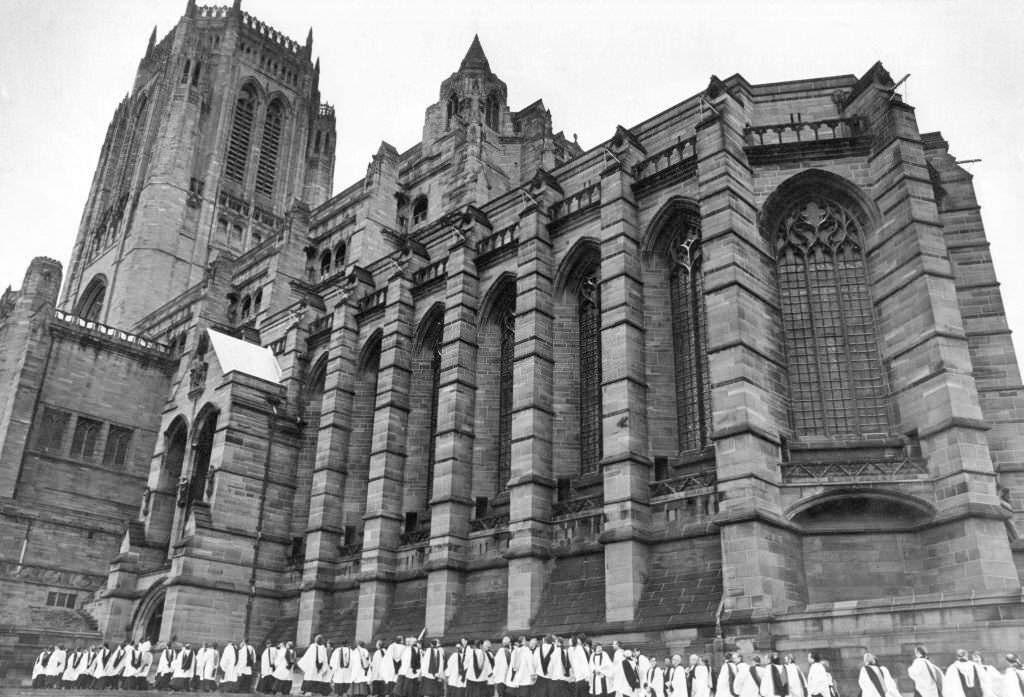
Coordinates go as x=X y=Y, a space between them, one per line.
x=739 y=376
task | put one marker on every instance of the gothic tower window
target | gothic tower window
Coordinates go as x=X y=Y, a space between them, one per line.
x=433 y=344
x=185 y=71
x=505 y=318
x=493 y=112
x=339 y=256
x=266 y=170
x=138 y=127
x=87 y=432
x=201 y=463
x=325 y=264
x=589 y=316
x=241 y=135
x=91 y=304
x=419 y=210
x=837 y=384
x=452 y=109
x=689 y=335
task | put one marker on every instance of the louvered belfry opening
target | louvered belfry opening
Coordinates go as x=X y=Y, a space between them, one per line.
x=241 y=135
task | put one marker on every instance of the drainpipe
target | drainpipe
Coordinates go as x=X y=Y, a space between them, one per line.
x=273 y=401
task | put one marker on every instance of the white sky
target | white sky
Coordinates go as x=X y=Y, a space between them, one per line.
x=65 y=64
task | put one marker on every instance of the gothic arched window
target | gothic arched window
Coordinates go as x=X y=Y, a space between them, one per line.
x=506 y=317
x=241 y=135
x=836 y=380
x=325 y=264
x=689 y=336
x=266 y=170
x=91 y=304
x=431 y=350
x=589 y=315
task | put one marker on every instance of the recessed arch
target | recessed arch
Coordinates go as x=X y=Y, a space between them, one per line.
x=860 y=509
x=811 y=182
x=147 y=620
x=678 y=209
x=369 y=356
x=581 y=261
x=317 y=376
x=202 y=444
x=502 y=285
x=90 y=303
x=432 y=322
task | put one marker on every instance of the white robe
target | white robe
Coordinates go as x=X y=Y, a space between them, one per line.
x=99 y=662
x=392 y=660
x=738 y=673
x=926 y=675
x=163 y=666
x=1009 y=684
x=622 y=686
x=817 y=681
x=579 y=663
x=478 y=668
x=555 y=669
x=456 y=677
x=361 y=665
x=246 y=659
x=797 y=681
x=282 y=671
x=316 y=653
x=405 y=668
x=115 y=664
x=229 y=663
x=768 y=678
x=267 y=661
x=751 y=684
x=701 y=685
x=55 y=666
x=523 y=673
x=502 y=666
x=72 y=666
x=867 y=685
x=654 y=681
x=39 y=667
x=951 y=686
x=341 y=665
x=181 y=671
x=207 y=663
x=602 y=673
x=132 y=662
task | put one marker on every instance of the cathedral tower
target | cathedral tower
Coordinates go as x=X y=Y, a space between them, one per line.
x=221 y=134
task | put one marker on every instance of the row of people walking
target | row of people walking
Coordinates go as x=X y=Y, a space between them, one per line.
x=548 y=666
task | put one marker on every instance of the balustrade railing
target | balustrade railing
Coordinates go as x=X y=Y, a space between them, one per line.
x=678 y=152
x=431 y=272
x=373 y=300
x=587 y=197
x=499 y=240
x=489 y=522
x=110 y=332
x=797 y=131
x=321 y=324
x=577 y=529
x=576 y=505
x=878 y=470
x=684 y=484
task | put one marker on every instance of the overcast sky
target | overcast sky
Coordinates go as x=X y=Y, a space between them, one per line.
x=64 y=66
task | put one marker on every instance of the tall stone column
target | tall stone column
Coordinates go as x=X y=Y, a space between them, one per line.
x=924 y=342
x=325 y=526
x=762 y=561
x=531 y=486
x=383 y=518
x=452 y=501
x=625 y=465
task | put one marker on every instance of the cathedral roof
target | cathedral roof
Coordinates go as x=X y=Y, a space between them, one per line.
x=475 y=58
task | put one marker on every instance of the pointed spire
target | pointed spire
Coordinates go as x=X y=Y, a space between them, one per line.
x=237 y=6
x=152 y=42
x=309 y=39
x=475 y=58
x=190 y=8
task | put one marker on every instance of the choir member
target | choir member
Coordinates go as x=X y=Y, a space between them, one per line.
x=989 y=675
x=698 y=678
x=315 y=668
x=99 y=666
x=774 y=678
x=732 y=677
x=963 y=678
x=794 y=677
x=284 y=664
x=69 y=678
x=377 y=667
x=432 y=673
x=627 y=680
x=207 y=664
x=654 y=680
x=478 y=669
x=675 y=678
x=602 y=673
x=184 y=669
x=579 y=664
x=55 y=666
x=164 y=669
x=265 y=685
x=455 y=672
x=926 y=675
x=246 y=665
x=501 y=675
x=1011 y=682
x=229 y=668
x=39 y=668
x=875 y=680
x=115 y=667
x=752 y=685
x=817 y=677
x=341 y=668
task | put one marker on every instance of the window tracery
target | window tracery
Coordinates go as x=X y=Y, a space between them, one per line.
x=589 y=314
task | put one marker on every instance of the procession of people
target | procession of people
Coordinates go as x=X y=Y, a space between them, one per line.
x=546 y=666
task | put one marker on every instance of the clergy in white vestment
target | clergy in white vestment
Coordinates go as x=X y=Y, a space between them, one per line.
x=184 y=669
x=818 y=684
x=409 y=666
x=501 y=669
x=602 y=672
x=643 y=665
x=963 y=678
x=926 y=675
x=133 y=667
x=989 y=675
x=794 y=677
x=207 y=665
x=229 y=667
x=478 y=669
x=266 y=681
x=247 y=665
x=115 y=666
x=284 y=664
x=627 y=679
x=360 y=671
x=164 y=669
x=875 y=680
x=698 y=678
x=99 y=666
x=70 y=675
x=455 y=672
x=774 y=678
x=315 y=668
x=654 y=680
x=432 y=670
x=1011 y=681
x=675 y=678
x=341 y=667
x=732 y=677
x=55 y=666
x=39 y=668
x=551 y=664
x=579 y=663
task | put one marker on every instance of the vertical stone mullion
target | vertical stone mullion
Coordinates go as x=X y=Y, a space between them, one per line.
x=383 y=516
x=531 y=485
x=324 y=527
x=453 y=472
x=625 y=465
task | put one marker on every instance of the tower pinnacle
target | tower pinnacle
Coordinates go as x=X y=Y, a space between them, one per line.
x=475 y=58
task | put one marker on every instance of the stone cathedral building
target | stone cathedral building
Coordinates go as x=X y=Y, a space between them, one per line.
x=740 y=375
